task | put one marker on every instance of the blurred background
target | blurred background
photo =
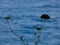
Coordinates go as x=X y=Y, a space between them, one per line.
x=25 y=16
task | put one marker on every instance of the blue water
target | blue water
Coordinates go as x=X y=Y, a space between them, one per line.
x=25 y=16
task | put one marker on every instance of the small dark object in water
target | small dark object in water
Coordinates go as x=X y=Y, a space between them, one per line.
x=45 y=16
x=38 y=28
x=34 y=33
x=7 y=17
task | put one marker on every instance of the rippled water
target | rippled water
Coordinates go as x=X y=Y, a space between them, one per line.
x=25 y=16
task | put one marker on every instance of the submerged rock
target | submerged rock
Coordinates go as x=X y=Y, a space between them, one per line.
x=45 y=16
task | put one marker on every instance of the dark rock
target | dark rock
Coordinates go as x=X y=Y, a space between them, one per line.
x=7 y=17
x=45 y=16
x=38 y=28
